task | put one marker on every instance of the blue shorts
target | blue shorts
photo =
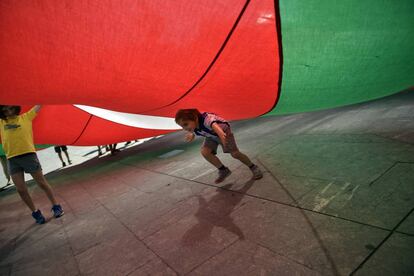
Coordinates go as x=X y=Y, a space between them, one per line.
x=212 y=143
x=28 y=163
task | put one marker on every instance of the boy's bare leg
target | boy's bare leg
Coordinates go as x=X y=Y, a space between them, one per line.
x=257 y=173
x=242 y=157
x=210 y=157
x=42 y=182
x=18 y=179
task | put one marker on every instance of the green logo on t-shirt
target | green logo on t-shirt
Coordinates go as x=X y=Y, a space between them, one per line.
x=11 y=126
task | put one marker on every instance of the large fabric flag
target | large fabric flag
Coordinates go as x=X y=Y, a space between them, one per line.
x=111 y=71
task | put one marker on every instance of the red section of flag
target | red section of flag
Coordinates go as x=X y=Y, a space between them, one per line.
x=143 y=57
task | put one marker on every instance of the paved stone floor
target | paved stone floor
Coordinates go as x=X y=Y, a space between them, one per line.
x=337 y=198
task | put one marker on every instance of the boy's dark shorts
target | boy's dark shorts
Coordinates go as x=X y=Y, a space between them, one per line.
x=212 y=143
x=26 y=162
x=59 y=149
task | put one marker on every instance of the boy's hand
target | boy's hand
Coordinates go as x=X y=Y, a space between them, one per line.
x=219 y=131
x=189 y=137
x=223 y=138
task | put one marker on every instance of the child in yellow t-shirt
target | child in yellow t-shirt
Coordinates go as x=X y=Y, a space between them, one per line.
x=17 y=139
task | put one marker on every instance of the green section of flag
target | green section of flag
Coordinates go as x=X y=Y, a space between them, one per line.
x=343 y=52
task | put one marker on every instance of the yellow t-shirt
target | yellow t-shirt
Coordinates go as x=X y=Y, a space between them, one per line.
x=17 y=134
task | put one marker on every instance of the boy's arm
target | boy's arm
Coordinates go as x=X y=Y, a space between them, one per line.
x=219 y=131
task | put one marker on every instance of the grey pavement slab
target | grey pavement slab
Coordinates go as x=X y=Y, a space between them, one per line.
x=248 y=258
x=407 y=225
x=145 y=213
x=37 y=250
x=91 y=229
x=328 y=245
x=353 y=182
x=382 y=203
x=394 y=257
x=153 y=267
x=118 y=255
x=58 y=261
x=205 y=229
x=316 y=156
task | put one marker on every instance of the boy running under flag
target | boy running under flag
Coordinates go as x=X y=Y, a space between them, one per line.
x=216 y=131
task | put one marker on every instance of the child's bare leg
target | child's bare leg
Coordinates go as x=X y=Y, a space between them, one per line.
x=257 y=173
x=67 y=156
x=42 y=182
x=60 y=157
x=5 y=170
x=18 y=179
x=242 y=157
x=210 y=157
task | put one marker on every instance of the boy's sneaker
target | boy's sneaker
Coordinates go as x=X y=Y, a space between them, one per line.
x=57 y=211
x=222 y=174
x=37 y=215
x=63 y=164
x=257 y=173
